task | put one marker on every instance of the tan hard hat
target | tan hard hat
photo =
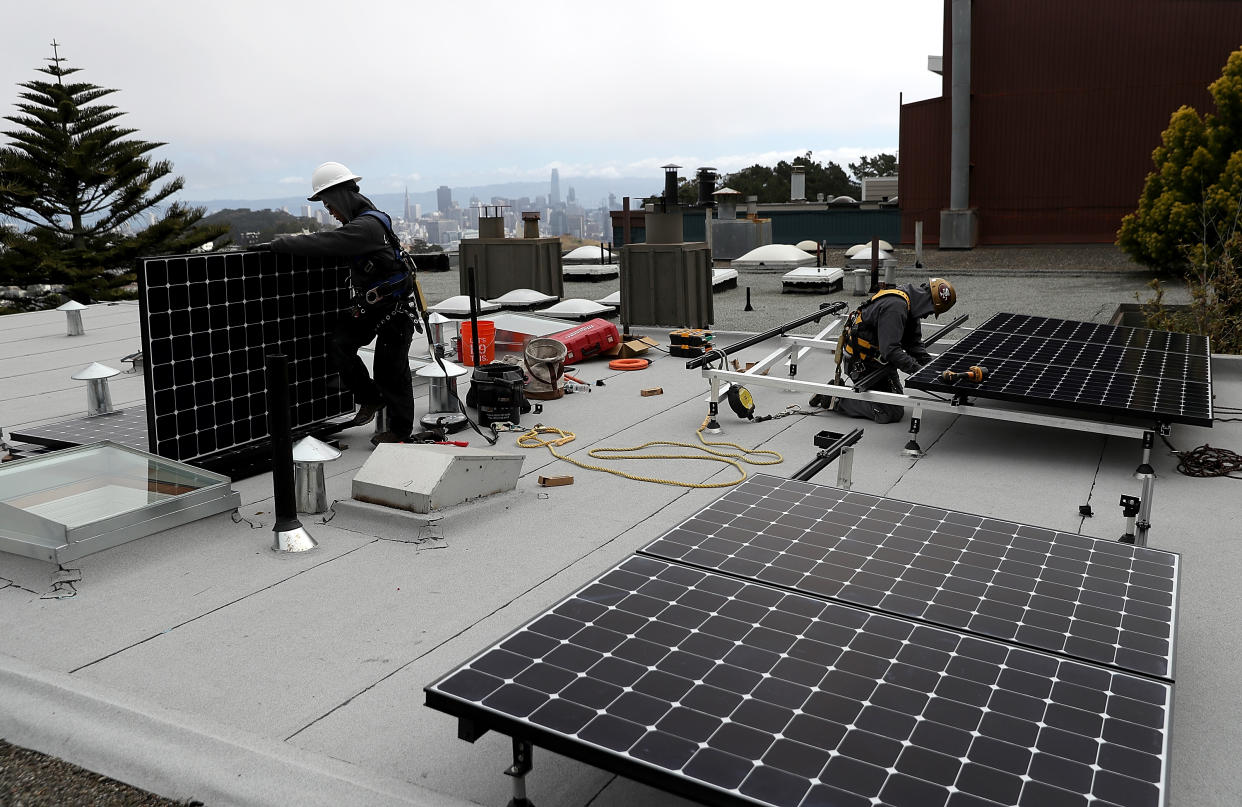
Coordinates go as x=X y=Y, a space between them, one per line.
x=943 y=295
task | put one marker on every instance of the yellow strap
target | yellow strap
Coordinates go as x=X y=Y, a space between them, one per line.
x=551 y=438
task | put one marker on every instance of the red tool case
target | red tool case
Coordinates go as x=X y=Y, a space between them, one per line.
x=588 y=339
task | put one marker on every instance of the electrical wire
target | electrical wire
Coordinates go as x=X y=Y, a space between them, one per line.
x=1205 y=461
x=551 y=438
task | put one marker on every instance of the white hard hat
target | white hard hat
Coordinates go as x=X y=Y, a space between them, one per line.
x=327 y=175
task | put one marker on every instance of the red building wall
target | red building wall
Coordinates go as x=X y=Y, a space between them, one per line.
x=1068 y=101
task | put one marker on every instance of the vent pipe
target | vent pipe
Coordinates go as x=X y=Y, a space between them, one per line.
x=73 y=317
x=707 y=183
x=752 y=207
x=797 y=184
x=530 y=224
x=670 y=185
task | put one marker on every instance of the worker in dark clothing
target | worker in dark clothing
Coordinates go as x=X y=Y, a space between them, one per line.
x=381 y=283
x=886 y=332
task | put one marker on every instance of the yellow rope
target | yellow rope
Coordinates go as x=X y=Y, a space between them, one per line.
x=535 y=439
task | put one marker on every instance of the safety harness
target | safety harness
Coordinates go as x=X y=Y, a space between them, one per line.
x=852 y=345
x=395 y=287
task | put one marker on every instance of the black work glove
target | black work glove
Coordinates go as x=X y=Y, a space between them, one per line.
x=264 y=246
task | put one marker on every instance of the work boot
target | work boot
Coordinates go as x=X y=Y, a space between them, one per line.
x=386 y=437
x=365 y=414
x=828 y=402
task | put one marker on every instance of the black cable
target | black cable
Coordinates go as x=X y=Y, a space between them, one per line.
x=1204 y=461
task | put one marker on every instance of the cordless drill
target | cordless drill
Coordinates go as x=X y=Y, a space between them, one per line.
x=974 y=375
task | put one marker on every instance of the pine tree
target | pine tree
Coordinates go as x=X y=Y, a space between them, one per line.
x=72 y=179
x=1189 y=205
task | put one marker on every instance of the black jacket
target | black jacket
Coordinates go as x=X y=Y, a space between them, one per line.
x=896 y=329
x=362 y=238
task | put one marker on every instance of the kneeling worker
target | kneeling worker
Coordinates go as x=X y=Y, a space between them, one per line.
x=381 y=283
x=886 y=332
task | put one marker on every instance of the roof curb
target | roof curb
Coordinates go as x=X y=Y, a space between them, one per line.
x=163 y=751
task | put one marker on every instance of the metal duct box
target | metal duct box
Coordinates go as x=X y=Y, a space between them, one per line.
x=733 y=238
x=667 y=285
x=504 y=264
x=426 y=478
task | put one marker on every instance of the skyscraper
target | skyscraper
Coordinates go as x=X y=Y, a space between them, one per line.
x=556 y=187
x=444 y=199
x=407 y=204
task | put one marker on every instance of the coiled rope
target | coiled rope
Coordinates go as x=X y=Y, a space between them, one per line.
x=1206 y=461
x=551 y=438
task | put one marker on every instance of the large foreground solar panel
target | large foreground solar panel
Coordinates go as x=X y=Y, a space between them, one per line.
x=733 y=692
x=208 y=323
x=1107 y=369
x=1099 y=601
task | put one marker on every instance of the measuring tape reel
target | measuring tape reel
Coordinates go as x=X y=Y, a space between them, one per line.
x=741 y=401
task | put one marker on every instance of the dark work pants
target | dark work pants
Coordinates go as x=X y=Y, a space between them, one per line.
x=392 y=386
x=879 y=412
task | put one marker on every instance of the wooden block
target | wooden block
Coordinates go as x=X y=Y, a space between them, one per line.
x=647 y=393
x=555 y=481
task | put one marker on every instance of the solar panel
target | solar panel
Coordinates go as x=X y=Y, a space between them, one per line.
x=127 y=427
x=1082 y=365
x=1099 y=601
x=208 y=323
x=735 y=692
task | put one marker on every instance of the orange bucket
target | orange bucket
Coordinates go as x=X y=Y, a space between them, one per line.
x=487 y=343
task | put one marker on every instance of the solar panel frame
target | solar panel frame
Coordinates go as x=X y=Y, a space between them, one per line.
x=208 y=322
x=735 y=692
x=1099 y=601
x=1107 y=369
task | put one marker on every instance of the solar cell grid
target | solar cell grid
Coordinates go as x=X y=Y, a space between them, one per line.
x=1099 y=601
x=208 y=323
x=732 y=691
x=1081 y=365
x=127 y=427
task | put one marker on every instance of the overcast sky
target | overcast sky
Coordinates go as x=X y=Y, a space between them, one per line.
x=251 y=95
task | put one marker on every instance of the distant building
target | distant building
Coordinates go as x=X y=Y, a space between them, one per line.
x=444 y=199
x=556 y=187
x=879 y=189
x=1053 y=146
x=306 y=211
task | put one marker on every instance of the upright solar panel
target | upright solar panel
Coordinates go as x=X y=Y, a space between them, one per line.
x=208 y=323
x=1098 y=601
x=1107 y=369
x=734 y=692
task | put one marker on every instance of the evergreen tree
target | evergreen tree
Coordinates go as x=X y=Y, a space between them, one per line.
x=1189 y=205
x=72 y=179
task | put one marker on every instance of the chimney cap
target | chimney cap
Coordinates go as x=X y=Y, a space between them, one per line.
x=72 y=305
x=93 y=372
x=670 y=167
x=530 y=215
x=727 y=192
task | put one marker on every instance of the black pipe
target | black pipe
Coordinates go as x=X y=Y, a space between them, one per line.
x=474 y=314
x=276 y=366
x=824 y=310
x=879 y=371
x=827 y=456
x=748 y=307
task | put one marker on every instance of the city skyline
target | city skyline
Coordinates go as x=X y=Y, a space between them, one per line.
x=249 y=99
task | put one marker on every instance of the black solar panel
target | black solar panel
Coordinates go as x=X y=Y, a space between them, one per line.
x=1081 y=365
x=209 y=321
x=127 y=427
x=733 y=692
x=1099 y=601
